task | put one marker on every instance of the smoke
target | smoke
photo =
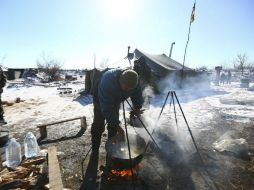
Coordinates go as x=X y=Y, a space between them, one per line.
x=171 y=125
x=175 y=81
x=170 y=131
x=147 y=94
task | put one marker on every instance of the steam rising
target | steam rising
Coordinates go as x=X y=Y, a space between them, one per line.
x=167 y=126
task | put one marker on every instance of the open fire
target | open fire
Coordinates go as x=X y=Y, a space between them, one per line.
x=124 y=174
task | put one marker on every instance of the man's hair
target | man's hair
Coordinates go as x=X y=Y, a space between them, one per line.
x=129 y=78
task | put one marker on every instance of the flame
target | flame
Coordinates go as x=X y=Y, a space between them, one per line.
x=125 y=173
x=122 y=173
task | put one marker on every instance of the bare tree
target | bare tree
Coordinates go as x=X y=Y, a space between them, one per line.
x=49 y=65
x=250 y=67
x=240 y=62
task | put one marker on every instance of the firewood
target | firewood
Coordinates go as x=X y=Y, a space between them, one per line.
x=30 y=181
x=33 y=161
x=4 y=181
x=12 y=184
x=24 y=184
x=35 y=169
x=19 y=183
x=20 y=172
x=4 y=171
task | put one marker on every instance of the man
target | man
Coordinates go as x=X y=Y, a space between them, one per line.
x=115 y=86
x=229 y=77
x=146 y=78
x=2 y=84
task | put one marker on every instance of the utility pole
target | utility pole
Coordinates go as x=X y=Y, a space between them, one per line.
x=94 y=60
x=171 y=49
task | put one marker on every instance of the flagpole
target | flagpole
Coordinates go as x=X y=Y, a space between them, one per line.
x=186 y=44
x=191 y=20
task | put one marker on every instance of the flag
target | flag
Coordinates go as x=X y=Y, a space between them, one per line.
x=193 y=13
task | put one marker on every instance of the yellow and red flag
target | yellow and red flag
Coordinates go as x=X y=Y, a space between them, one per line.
x=193 y=13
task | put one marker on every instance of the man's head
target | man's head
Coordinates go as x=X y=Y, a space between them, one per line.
x=128 y=80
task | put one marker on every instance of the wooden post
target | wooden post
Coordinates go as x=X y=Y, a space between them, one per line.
x=55 y=180
x=83 y=123
x=43 y=132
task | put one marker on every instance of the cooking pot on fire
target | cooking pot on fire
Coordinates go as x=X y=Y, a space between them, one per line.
x=119 y=154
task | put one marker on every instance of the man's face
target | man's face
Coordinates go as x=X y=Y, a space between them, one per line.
x=125 y=88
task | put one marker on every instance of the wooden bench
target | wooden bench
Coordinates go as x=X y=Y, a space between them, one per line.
x=43 y=127
x=55 y=179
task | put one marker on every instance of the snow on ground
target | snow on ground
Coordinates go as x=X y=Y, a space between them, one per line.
x=42 y=105
x=201 y=107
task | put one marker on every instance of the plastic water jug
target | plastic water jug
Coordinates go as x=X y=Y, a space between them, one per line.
x=31 y=146
x=13 y=153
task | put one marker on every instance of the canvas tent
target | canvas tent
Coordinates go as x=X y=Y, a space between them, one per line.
x=158 y=71
x=91 y=79
x=161 y=65
x=165 y=72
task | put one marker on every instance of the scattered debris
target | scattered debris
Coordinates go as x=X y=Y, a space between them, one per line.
x=237 y=146
x=31 y=173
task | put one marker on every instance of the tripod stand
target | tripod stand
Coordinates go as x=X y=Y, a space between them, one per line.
x=174 y=99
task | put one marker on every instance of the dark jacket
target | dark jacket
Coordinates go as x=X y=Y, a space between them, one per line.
x=2 y=80
x=110 y=95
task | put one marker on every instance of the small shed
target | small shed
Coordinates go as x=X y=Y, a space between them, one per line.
x=14 y=73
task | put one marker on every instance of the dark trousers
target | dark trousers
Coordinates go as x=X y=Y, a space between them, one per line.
x=1 y=107
x=98 y=127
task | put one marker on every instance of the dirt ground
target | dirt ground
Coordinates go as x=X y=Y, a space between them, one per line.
x=221 y=171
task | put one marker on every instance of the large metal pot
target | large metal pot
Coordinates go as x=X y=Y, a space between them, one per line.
x=119 y=154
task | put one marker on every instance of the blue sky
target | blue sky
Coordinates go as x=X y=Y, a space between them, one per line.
x=74 y=30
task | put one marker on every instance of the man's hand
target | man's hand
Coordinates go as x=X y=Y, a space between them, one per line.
x=137 y=112
x=120 y=133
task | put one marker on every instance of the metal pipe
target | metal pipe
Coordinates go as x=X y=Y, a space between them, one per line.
x=128 y=55
x=171 y=49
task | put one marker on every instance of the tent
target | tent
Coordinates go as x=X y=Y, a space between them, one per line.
x=162 y=72
x=91 y=79
x=158 y=71
x=161 y=64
